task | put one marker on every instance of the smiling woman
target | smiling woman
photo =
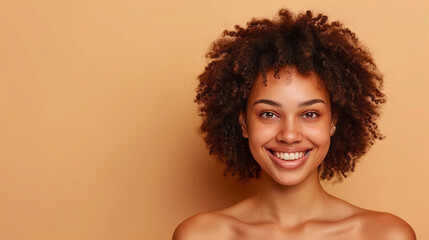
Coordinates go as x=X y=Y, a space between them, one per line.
x=288 y=123
x=291 y=101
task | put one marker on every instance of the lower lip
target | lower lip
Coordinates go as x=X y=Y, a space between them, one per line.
x=290 y=164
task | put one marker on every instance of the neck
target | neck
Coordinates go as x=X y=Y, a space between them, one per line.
x=290 y=205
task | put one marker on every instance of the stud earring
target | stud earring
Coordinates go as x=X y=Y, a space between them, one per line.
x=333 y=129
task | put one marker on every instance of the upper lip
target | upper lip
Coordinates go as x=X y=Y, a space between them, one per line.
x=289 y=149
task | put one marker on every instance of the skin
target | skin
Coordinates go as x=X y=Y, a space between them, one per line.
x=291 y=114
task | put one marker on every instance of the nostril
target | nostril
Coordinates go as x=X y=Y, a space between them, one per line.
x=289 y=136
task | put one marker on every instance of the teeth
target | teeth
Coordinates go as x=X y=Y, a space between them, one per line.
x=289 y=156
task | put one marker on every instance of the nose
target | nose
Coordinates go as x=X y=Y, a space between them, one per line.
x=289 y=131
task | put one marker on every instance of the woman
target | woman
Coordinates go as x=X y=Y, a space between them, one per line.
x=291 y=101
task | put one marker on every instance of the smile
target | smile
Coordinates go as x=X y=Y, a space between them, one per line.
x=290 y=156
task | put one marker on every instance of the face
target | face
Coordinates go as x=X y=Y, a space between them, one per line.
x=288 y=124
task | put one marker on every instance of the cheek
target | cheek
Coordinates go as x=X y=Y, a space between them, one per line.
x=258 y=138
x=260 y=133
x=320 y=136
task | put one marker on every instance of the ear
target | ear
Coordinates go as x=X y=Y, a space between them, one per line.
x=333 y=123
x=243 y=124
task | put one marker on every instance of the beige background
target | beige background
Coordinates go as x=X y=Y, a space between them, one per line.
x=98 y=127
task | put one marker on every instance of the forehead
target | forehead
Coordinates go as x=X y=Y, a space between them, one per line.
x=289 y=87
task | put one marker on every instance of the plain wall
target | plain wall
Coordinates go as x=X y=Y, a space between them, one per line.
x=98 y=128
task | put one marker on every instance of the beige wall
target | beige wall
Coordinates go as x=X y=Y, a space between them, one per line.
x=98 y=126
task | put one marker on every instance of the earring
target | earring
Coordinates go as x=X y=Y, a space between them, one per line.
x=333 y=129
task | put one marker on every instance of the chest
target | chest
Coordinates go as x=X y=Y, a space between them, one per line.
x=308 y=232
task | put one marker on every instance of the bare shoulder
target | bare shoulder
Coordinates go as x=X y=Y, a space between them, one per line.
x=210 y=225
x=382 y=225
x=374 y=225
x=221 y=224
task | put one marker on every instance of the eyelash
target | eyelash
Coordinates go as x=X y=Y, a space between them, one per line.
x=305 y=115
x=264 y=115
x=312 y=113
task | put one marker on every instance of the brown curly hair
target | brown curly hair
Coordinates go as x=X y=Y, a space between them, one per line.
x=311 y=44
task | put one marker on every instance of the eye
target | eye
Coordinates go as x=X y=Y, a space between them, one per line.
x=268 y=115
x=310 y=115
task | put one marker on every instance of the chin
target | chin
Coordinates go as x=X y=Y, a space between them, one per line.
x=293 y=178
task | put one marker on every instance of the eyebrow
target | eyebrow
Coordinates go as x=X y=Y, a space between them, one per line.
x=311 y=102
x=301 y=104
x=268 y=102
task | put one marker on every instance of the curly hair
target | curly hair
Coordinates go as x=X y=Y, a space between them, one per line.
x=312 y=44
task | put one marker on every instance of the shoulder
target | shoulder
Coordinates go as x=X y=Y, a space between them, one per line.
x=222 y=224
x=382 y=225
x=210 y=225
